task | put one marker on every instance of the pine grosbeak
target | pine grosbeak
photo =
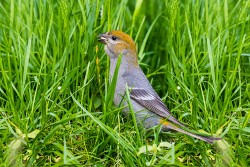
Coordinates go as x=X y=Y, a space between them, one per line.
x=149 y=110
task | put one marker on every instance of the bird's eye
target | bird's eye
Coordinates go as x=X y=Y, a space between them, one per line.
x=114 y=38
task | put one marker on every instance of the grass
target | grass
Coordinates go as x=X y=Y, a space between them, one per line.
x=54 y=86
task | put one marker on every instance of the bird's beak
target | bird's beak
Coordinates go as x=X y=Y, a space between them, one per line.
x=102 y=38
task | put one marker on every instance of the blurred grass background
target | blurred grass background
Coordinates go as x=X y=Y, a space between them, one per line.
x=54 y=81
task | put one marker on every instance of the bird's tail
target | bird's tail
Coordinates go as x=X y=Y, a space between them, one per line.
x=169 y=126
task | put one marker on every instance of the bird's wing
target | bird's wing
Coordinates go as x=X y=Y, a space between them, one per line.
x=152 y=103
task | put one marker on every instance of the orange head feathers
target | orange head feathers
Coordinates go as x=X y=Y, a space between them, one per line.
x=117 y=42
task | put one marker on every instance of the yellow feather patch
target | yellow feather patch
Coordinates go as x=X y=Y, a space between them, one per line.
x=164 y=122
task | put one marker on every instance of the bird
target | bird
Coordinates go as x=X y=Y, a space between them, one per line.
x=148 y=107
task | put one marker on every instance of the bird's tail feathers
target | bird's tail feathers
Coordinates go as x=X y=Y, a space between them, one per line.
x=169 y=126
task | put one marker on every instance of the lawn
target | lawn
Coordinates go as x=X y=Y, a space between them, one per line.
x=55 y=106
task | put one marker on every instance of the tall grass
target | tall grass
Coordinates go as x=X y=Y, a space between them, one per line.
x=54 y=81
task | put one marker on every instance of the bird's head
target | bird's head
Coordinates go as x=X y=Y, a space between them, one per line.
x=117 y=42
